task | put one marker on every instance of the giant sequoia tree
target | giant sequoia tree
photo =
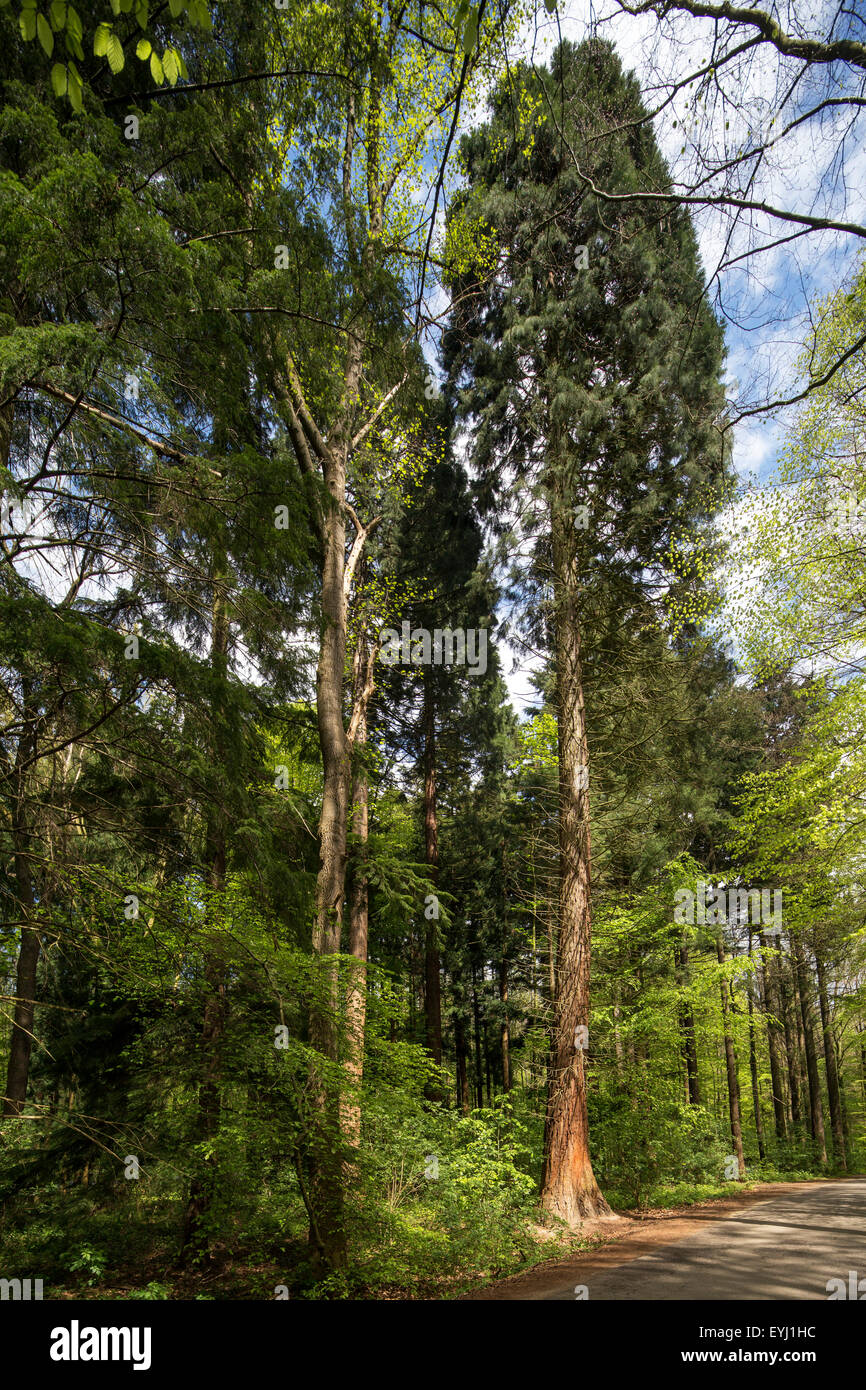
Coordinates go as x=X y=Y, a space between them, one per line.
x=588 y=364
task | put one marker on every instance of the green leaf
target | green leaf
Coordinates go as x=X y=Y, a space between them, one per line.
x=550 y=6
x=156 y=71
x=59 y=79
x=170 y=65
x=101 y=40
x=177 y=8
x=57 y=13
x=115 y=54
x=115 y=6
x=76 y=88
x=46 y=37
x=141 y=13
x=143 y=49
x=27 y=25
x=74 y=33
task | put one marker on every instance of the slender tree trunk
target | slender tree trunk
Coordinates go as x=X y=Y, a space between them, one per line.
x=359 y=913
x=789 y=1018
x=816 y=1106
x=772 y=1013
x=487 y=1073
x=837 y=1129
x=326 y=1161
x=617 y=1032
x=203 y=1187
x=479 y=1075
x=463 y=1096
x=568 y=1188
x=505 y=1041
x=688 y=1041
x=29 y=950
x=21 y=1041
x=731 y=1065
x=432 y=990
x=551 y=956
x=753 y=1070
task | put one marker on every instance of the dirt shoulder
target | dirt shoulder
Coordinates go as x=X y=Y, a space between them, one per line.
x=628 y=1237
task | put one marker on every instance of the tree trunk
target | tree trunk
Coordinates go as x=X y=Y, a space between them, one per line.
x=463 y=1096
x=788 y=1014
x=326 y=1162
x=21 y=1041
x=753 y=1066
x=772 y=1014
x=202 y=1187
x=359 y=917
x=816 y=1106
x=505 y=1040
x=487 y=1073
x=731 y=1066
x=617 y=1033
x=432 y=990
x=837 y=1128
x=568 y=1187
x=479 y=1076
x=688 y=1041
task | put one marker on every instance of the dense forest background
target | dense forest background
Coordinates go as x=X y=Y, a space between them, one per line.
x=350 y=354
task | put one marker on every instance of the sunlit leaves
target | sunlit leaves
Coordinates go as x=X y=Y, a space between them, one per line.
x=61 y=18
x=170 y=66
x=106 y=44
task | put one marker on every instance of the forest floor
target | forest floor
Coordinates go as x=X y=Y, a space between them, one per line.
x=776 y=1241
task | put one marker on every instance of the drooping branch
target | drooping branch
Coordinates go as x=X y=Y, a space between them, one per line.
x=159 y=446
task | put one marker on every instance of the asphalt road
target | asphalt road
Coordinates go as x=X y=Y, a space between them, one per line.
x=787 y=1247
